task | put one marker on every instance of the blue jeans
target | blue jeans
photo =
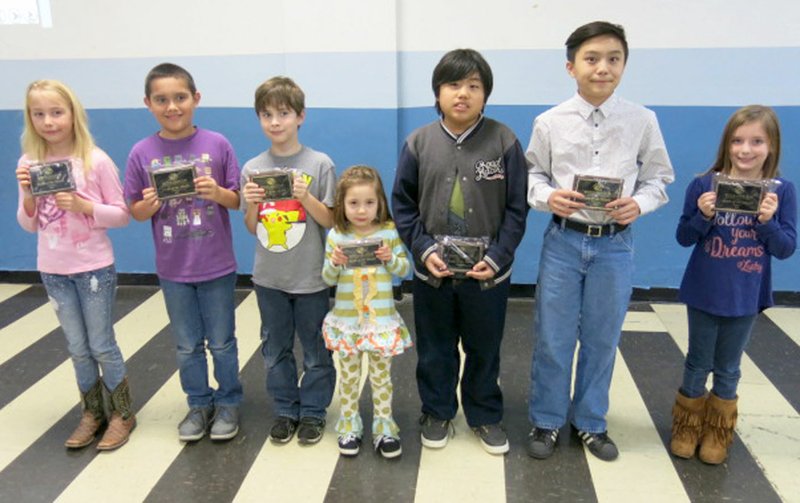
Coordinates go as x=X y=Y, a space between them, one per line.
x=582 y=296
x=201 y=313
x=283 y=314
x=83 y=303
x=460 y=311
x=716 y=344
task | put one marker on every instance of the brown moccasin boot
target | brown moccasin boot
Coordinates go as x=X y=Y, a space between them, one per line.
x=92 y=420
x=122 y=420
x=718 y=428
x=687 y=425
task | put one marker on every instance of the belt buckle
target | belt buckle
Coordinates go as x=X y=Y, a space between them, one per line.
x=595 y=231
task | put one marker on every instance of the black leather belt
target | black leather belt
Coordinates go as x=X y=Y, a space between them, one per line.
x=595 y=231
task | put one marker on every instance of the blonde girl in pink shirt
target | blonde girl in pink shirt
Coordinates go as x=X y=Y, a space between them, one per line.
x=74 y=256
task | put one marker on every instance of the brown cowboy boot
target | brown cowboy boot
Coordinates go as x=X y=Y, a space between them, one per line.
x=687 y=425
x=93 y=418
x=122 y=420
x=718 y=428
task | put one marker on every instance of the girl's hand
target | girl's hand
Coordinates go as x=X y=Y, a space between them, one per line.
x=70 y=201
x=705 y=203
x=338 y=258
x=150 y=197
x=24 y=178
x=207 y=188
x=481 y=271
x=769 y=205
x=253 y=194
x=300 y=189
x=384 y=253
x=565 y=202
x=436 y=266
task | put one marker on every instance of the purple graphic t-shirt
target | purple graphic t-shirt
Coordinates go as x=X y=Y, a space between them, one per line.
x=192 y=236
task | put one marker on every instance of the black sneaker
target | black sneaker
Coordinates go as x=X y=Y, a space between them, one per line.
x=388 y=447
x=600 y=445
x=282 y=430
x=435 y=432
x=542 y=443
x=349 y=445
x=493 y=438
x=310 y=430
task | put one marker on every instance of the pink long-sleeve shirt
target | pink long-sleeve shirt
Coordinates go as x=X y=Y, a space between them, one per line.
x=71 y=242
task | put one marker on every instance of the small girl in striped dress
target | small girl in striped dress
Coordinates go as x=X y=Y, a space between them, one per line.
x=362 y=253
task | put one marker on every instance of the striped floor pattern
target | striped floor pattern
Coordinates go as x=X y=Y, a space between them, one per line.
x=39 y=407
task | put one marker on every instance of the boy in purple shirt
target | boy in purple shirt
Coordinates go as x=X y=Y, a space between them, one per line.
x=195 y=263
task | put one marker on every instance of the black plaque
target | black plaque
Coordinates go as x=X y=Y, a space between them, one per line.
x=739 y=196
x=598 y=190
x=361 y=253
x=176 y=181
x=51 y=177
x=461 y=254
x=277 y=184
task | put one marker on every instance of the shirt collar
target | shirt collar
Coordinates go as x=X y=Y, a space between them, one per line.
x=460 y=138
x=585 y=109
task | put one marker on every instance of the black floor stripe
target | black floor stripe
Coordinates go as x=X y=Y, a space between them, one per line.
x=37 y=360
x=368 y=477
x=656 y=363
x=21 y=304
x=777 y=356
x=563 y=477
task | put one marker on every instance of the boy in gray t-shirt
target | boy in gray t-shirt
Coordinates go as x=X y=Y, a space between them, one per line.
x=289 y=222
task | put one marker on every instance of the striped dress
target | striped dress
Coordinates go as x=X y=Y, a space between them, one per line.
x=363 y=317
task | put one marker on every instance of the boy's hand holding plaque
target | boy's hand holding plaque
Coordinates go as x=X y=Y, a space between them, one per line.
x=598 y=190
x=51 y=177
x=277 y=183
x=174 y=181
x=361 y=253
x=461 y=253
x=739 y=196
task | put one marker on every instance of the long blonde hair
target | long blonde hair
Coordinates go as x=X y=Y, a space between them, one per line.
x=35 y=147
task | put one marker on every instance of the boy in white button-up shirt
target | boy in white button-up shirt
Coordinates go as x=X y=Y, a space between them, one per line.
x=585 y=271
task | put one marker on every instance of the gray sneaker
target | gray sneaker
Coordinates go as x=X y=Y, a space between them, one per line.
x=225 y=423
x=435 y=432
x=195 y=424
x=493 y=438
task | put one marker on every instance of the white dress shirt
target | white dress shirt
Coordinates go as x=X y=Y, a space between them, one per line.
x=617 y=139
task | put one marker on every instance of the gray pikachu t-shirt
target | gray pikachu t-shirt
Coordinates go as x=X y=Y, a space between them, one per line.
x=290 y=244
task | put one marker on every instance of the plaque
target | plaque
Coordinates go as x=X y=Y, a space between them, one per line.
x=598 y=190
x=461 y=253
x=361 y=253
x=51 y=177
x=277 y=183
x=174 y=181
x=738 y=196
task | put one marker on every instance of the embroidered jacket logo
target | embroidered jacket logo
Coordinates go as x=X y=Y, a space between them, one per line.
x=490 y=170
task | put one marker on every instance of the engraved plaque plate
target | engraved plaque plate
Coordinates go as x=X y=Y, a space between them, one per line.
x=598 y=190
x=51 y=177
x=175 y=181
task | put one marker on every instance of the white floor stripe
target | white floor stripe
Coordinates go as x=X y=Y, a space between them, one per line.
x=767 y=424
x=643 y=471
x=8 y=290
x=32 y=413
x=442 y=472
x=27 y=330
x=786 y=319
x=134 y=469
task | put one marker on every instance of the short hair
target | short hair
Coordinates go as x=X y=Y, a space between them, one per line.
x=280 y=91
x=459 y=64
x=591 y=30
x=359 y=175
x=168 y=70
x=746 y=115
x=35 y=147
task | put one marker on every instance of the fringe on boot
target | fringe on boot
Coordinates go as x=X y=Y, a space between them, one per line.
x=687 y=425
x=720 y=420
